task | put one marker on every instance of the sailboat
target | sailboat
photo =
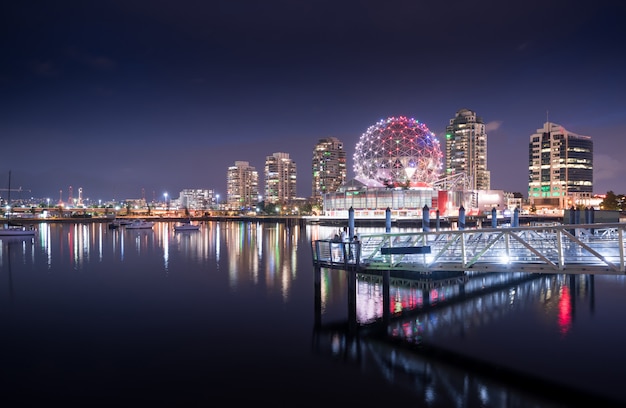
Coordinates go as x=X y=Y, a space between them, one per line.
x=186 y=226
x=10 y=230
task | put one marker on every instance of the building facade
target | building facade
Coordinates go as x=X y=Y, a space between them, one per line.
x=242 y=186
x=560 y=167
x=280 y=178
x=196 y=199
x=466 y=149
x=328 y=166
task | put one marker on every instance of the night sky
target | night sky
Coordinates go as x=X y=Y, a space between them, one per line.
x=132 y=97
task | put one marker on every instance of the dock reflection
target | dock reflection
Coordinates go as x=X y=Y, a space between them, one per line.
x=393 y=322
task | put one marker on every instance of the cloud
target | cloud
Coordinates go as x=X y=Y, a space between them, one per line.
x=606 y=167
x=493 y=125
x=98 y=62
x=45 y=68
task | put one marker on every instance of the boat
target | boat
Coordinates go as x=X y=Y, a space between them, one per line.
x=17 y=231
x=140 y=224
x=11 y=229
x=186 y=227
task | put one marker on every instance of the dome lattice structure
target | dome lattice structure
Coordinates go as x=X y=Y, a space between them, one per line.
x=398 y=152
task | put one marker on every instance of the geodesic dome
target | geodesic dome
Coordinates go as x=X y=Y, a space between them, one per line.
x=398 y=152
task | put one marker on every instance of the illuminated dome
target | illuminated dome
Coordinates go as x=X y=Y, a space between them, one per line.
x=398 y=152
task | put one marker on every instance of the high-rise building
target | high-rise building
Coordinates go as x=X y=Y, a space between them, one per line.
x=196 y=199
x=560 y=167
x=242 y=186
x=280 y=178
x=466 y=149
x=329 y=167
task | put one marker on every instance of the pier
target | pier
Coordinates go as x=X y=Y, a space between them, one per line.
x=572 y=249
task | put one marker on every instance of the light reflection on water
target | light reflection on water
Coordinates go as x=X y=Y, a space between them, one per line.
x=241 y=297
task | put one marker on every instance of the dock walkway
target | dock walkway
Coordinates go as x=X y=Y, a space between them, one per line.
x=575 y=249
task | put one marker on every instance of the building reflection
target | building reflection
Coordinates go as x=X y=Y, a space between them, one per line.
x=262 y=253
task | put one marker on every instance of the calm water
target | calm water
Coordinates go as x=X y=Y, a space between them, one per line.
x=236 y=313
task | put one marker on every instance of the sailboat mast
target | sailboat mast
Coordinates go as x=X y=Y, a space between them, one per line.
x=9 y=199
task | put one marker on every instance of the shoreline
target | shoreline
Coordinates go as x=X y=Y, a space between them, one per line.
x=470 y=222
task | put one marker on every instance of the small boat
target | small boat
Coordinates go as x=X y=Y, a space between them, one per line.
x=140 y=224
x=10 y=228
x=186 y=227
x=114 y=225
x=16 y=231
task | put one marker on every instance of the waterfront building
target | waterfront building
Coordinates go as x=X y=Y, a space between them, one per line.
x=560 y=171
x=398 y=166
x=242 y=186
x=196 y=199
x=397 y=163
x=280 y=178
x=328 y=166
x=466 y=149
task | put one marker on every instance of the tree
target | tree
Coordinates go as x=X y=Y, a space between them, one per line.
x=610 y=201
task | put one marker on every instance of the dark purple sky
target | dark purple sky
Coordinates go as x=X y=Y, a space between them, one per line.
x=116 y=97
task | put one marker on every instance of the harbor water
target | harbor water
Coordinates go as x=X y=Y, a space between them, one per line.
x=236 y=313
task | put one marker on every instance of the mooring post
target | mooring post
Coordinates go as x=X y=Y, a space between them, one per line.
x=388 y=220
x=350 y=224
x=425 y=218
x=461 y=218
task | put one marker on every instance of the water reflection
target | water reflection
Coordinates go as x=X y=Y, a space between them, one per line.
x=204 y=303
x=391 y=316
x=242 y=243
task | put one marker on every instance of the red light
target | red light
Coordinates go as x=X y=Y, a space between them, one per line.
x=565 y=311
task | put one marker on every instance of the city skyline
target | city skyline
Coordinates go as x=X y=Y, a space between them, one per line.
x=129 y=97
